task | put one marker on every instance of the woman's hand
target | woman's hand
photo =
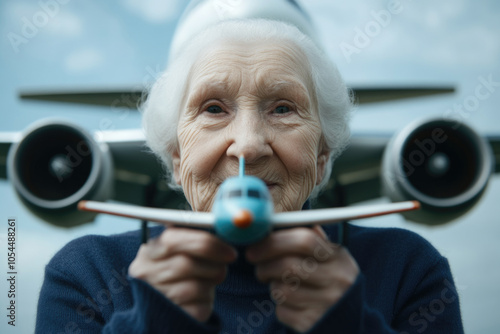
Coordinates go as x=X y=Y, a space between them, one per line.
x=185 y=265
x=307 y=274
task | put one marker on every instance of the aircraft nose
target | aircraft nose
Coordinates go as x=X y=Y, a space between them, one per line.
x=243 y=219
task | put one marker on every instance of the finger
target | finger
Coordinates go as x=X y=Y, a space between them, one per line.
x=320 y=231
x=298 y=270
x=181 y=267
x=301 y=307
x=298 y=319
x=298 y=241
x=189 y=291
x=340 y=270
x=199 y=311
x=280 y=269
x=197 y=243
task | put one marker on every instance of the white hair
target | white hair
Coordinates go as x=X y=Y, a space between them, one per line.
x=161 y=109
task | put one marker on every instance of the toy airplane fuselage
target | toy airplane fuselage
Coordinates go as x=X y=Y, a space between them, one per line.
x=243 y=211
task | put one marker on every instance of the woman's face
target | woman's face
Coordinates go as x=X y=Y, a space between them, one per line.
x=252 y=100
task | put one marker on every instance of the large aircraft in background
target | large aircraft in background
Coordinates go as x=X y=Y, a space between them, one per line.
x=52 y=165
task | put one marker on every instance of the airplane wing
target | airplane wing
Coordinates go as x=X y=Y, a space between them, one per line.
x=127 y=98
x=164 y=216
x=494 y=141
x=6 y=141
x=330 y=216
x=131 y=98
x=356 y=173
x=137 y=173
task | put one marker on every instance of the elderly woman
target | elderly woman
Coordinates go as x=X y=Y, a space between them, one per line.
x=264 y=90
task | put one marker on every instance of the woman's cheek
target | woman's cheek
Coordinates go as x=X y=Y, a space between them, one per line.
x=301 y=150
x=301 y=158
x=201 y=150
x=199 y=191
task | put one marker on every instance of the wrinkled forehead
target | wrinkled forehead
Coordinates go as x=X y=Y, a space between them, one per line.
x=262 y=63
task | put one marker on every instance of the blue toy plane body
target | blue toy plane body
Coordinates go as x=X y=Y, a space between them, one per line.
x=243 y=208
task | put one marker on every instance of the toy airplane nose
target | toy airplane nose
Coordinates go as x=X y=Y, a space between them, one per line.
x=243 y=219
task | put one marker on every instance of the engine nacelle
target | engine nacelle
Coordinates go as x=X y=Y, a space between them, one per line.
x=442 y=163
x=54 y=166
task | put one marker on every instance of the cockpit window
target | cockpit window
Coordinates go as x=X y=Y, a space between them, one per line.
x=234 y=193
x=254 y=193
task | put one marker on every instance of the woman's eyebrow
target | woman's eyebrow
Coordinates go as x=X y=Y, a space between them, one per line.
x=267 y=88
x=204 y=90
x=290 y=89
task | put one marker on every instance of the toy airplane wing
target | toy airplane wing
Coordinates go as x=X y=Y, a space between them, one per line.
x=330 y=216
x=285 y=219
x=164 y=216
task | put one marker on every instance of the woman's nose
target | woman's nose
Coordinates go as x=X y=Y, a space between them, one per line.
x=250 y=137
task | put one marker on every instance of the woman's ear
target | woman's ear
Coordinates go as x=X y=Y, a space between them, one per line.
x=321 y=165
x=176 y=162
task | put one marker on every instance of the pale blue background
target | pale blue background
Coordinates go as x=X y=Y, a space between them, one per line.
x=97 y=44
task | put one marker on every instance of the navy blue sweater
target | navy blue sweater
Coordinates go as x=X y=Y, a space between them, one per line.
x=405 y=286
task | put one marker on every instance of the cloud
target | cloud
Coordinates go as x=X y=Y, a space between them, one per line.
x=450 y=34
x=445 y=35
x=154 y=11
x=472 y=46
x=83 y=60
x=66 y=24
x=47 y=16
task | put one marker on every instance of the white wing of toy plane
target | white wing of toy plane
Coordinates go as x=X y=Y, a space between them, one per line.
x=164 y=216
x=327 y=216
x=284 y=219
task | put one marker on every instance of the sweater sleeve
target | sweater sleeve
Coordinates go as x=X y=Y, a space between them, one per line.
x=433 y=307
x=153 y=313
x=83 y=303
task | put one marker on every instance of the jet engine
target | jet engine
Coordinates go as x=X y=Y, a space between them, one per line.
x=442 y=163
x=54 y=166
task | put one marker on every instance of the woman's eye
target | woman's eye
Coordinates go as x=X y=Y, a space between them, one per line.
x=281 y=110
x=214 y=109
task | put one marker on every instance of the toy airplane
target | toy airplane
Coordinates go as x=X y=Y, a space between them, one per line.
x=243 y=211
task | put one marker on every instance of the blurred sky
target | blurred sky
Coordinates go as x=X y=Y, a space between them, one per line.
x=124 y=44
